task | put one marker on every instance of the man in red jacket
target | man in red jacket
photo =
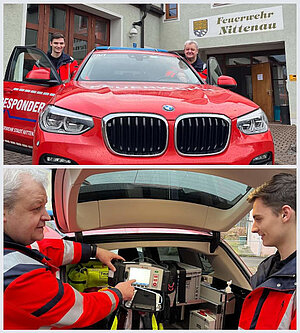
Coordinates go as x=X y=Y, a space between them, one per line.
x=33 y=297
x=272 y=303
x=64 y=64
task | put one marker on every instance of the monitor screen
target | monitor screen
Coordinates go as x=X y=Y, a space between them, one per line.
x=141 y=275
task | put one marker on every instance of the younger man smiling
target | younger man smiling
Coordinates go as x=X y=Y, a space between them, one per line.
x=272 y=303
x=64 y=64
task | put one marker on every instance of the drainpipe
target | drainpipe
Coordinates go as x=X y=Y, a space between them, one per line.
x=141 y=24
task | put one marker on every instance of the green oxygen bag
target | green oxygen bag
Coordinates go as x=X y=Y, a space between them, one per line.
x=93 y=274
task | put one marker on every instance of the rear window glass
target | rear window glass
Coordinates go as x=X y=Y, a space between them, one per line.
x=137 y=67
x=178 y=185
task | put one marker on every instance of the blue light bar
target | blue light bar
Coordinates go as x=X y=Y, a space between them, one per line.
x=129 y=48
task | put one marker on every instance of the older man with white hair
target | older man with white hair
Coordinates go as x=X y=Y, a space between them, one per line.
x=191 y=50
x=33 y=297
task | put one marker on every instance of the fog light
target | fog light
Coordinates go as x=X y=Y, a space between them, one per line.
x=265 y=158
x=57 y=160
x=54 y=159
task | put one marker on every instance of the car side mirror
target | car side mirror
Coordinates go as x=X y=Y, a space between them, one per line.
x=226 y=82
x=42 y=76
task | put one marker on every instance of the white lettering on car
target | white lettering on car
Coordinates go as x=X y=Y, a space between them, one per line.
x=18 y=130
x=23 y=104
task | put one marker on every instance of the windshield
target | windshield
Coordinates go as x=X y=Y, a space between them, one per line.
x=176 y=185
x=137 y=67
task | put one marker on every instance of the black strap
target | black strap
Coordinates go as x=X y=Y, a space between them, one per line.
x=135 y=325
x=147 y=320
x=181 y=284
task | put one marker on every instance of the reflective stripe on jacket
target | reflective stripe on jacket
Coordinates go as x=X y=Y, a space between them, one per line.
x=35 y=299
x=271 y=305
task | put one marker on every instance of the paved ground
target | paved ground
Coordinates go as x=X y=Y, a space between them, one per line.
x=11 y=158
x=284 y=137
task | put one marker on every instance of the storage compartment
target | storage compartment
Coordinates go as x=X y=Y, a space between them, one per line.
x=203 y=319
x=197 y=301
x=188 y=284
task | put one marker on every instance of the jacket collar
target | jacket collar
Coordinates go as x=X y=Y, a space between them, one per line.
x=284 y=278
x=63 y=59
x=9 y=243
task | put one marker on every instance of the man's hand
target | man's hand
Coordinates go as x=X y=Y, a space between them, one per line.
x=106 y=257
x=126 y=289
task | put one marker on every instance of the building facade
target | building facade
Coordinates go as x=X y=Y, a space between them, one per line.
x=254 y=43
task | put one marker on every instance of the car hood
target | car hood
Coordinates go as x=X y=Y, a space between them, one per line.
x=76 y=209
x=98 y=99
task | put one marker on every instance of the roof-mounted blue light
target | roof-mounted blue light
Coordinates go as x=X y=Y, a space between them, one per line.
x=129 y=48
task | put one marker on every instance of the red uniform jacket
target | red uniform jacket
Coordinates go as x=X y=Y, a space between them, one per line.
x=35 y=299
x=66 y=66
x=272 y=303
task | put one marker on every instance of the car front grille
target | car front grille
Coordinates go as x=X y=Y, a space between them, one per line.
x=202 y=134
x=135 y=134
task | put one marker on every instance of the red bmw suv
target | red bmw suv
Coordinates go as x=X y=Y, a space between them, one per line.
x=128 y=106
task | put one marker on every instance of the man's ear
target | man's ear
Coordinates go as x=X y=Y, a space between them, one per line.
x=286 y=213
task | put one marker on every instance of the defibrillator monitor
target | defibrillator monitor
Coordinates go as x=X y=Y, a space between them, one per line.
x=147 y=275
x=141 y=275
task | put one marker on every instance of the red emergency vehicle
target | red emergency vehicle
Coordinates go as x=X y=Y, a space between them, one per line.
x=122 y=108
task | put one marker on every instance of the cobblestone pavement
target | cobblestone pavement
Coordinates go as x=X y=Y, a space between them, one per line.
x=12 y=158
x=284 y=137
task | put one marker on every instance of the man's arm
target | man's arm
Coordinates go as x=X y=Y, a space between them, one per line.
x=63 y=252
x=37 y=299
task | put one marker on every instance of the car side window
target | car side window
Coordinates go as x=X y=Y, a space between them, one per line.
x=27 y=63
x=168 y=253
x=214 y=71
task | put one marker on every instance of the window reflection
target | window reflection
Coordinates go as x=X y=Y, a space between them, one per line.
x=31 y=37
x=79 y=49
x=80 y=24
x=57 y=18
x=33 y=14
x=101 y=30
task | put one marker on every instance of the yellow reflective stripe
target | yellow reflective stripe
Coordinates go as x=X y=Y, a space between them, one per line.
x=114 y=325
x=154 y=323
x=160 y=326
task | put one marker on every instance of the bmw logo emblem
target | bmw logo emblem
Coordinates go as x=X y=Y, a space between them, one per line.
x=168 y=108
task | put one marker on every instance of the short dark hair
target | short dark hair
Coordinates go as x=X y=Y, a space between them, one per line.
x=277 y=192
x=56 y=36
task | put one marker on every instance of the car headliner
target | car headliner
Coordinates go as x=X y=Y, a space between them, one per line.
x=72 y=216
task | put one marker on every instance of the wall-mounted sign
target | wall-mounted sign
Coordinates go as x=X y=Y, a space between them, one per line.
x=260 y=77
x=293 y=77
x=251 y=21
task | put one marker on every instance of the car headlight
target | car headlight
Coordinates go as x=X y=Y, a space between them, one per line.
x=253 y=123
x=56 y=120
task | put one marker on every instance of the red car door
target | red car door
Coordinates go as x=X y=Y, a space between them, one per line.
x=30 y=82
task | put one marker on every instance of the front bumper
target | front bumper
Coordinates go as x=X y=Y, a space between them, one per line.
x=90 y=149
